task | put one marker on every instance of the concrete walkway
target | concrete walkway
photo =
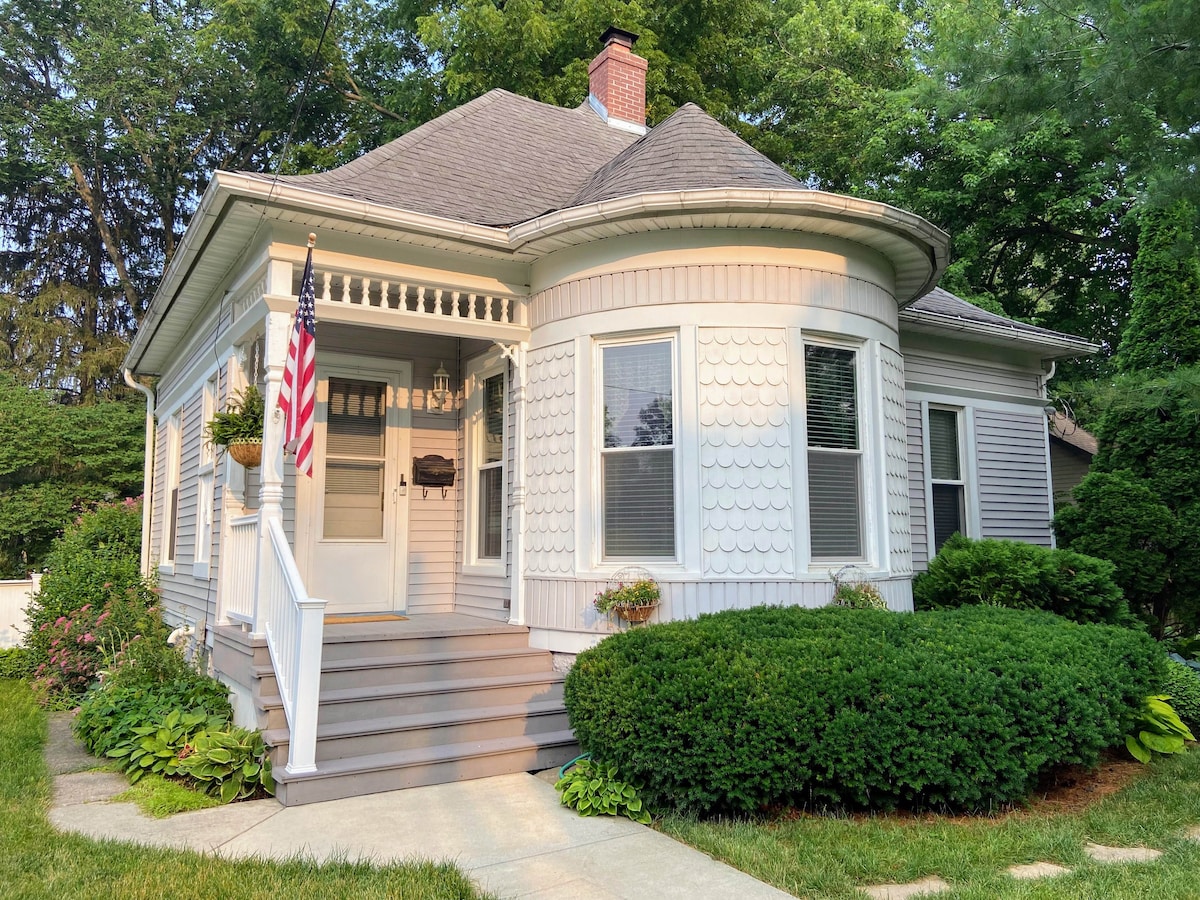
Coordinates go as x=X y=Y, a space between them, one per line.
x=509 y=833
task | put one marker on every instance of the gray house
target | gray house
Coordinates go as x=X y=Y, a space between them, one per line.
x=626 y=347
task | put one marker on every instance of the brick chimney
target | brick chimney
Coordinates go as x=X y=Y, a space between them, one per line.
x=617 y=82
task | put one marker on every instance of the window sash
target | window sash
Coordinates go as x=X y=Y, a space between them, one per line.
x=491 y=511
x=355 y=459
x=835 y=458
x=949 y=512
x=946 y=484
x=637 y=457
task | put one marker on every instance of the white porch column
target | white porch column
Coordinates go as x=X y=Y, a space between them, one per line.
x=270 y=494
x=517 y=353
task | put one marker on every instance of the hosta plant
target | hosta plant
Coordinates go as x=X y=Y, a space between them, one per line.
x=232 y=764
x=155 y=747
x=593 y=789
x=1158 y=729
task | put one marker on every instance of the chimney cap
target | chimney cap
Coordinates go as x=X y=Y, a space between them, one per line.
x=616 y=35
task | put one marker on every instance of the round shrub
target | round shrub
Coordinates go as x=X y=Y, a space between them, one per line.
x=964 y=708
x=1017 y=575
x=1182 y=685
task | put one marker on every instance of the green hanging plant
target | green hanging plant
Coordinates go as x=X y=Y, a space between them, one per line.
x=241 y=422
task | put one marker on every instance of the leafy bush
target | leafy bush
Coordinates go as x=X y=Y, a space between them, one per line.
x=1182 y=685
x=15 y=663
x=592 y=789
x=138 y=693
x=1158 y=729
x=231 y=764
x=962 y=708
x=154 y=747
x=94 y=570
x=1017 y=575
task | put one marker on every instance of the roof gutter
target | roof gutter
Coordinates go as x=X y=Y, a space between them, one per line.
x=1048 y=339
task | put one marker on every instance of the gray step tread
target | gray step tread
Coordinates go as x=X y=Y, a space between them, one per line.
x=383 y=724
x=379 y=762
x=331 y=636
x=413 y=659
x=375 y=692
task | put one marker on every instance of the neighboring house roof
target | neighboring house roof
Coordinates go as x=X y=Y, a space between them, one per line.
x=939 y=309
x=690 y=150
x=1067 y=430
x=497 y=160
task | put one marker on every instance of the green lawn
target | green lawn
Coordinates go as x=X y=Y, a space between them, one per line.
x=36 y=861
x=831 y=857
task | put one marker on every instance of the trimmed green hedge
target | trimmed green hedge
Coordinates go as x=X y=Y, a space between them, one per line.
x=1182 y=685
x=1017 y=575
x=746 y=709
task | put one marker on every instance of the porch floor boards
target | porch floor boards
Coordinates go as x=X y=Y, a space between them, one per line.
x=433 y=698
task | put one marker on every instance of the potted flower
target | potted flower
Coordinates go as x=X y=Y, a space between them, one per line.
x=239 y=427
x=631 y=595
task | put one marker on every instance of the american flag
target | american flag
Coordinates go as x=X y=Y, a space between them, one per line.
x=297 y=395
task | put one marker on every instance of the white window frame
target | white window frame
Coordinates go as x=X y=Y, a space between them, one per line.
x=173 y=447
x=602 y=562
x=966 y=470
x=867 y=437
x=479 y=370
x=205 y=480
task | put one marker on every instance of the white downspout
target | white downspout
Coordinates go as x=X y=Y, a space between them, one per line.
x=147 y=469
x=1049 y=462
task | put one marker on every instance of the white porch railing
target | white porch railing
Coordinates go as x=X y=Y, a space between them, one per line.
x=239 y=569
x=294 y=625
x=412 y=299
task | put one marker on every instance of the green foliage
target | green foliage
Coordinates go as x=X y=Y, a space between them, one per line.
x=231 y=764
x=640 y=593
x=1139 y=507
x=1157 y=729
x=155 y=746
x=858 y=596
x=593 y=789
x=148 y=681
x=15 y=663
x=1182 y=685
x=1164 y=326
x=962 y=708
x=56 y=460
x=159 y=797
x=1017 y=575
x=91 y=602
x=241 y=422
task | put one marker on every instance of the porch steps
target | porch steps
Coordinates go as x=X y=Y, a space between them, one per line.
x=401 y=710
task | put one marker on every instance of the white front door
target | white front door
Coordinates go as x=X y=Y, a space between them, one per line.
x=358 y=503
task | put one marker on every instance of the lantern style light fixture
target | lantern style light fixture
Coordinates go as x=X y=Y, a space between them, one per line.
x=439 y=399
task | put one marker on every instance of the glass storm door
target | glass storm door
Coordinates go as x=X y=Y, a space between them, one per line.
x=359 y=521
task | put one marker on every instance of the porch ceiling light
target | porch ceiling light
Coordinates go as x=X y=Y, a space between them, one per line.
x=439 y=399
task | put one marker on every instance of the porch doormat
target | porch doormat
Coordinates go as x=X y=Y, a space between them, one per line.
x=362 y=620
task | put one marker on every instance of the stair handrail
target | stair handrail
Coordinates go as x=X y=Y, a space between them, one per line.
x=294 y=627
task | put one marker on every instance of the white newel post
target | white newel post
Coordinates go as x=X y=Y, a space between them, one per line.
x=302 y=748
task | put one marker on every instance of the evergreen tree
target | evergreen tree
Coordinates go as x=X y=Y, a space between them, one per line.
x=1164 y=324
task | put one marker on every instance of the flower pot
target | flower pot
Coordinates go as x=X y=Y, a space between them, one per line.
x=635 y=614
x=246 y=454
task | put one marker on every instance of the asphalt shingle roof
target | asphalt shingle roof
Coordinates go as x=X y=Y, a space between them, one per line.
x=498 y=160
x=690 y=150
x=943 y=303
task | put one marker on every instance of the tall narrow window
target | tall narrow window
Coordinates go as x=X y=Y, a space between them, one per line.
x=491 y=469
x=638 y=457
x=834 y=453
x=947 y=487
x=355 y=456
x=174 y=453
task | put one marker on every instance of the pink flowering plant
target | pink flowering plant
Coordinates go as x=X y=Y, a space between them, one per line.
x=639 y=593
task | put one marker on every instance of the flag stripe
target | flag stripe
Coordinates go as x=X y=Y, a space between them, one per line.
x=297 y=394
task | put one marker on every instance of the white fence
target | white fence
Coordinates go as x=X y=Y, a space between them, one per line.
x=14 y=597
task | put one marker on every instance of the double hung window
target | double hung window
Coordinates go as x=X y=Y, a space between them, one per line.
x=490 y=474
x=946 y=483
x=834 y=453
x=637 y=460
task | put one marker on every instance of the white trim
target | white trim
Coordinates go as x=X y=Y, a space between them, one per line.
x=590 y=559
x=478 y=371
x=961 y=396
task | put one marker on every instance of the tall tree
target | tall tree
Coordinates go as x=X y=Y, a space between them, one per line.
x=1164 y=326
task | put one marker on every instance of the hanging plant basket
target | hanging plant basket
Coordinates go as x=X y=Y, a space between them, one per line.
x=246 y=453
x=632 y=594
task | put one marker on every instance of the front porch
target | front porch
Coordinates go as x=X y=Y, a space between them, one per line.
x=426 y=699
